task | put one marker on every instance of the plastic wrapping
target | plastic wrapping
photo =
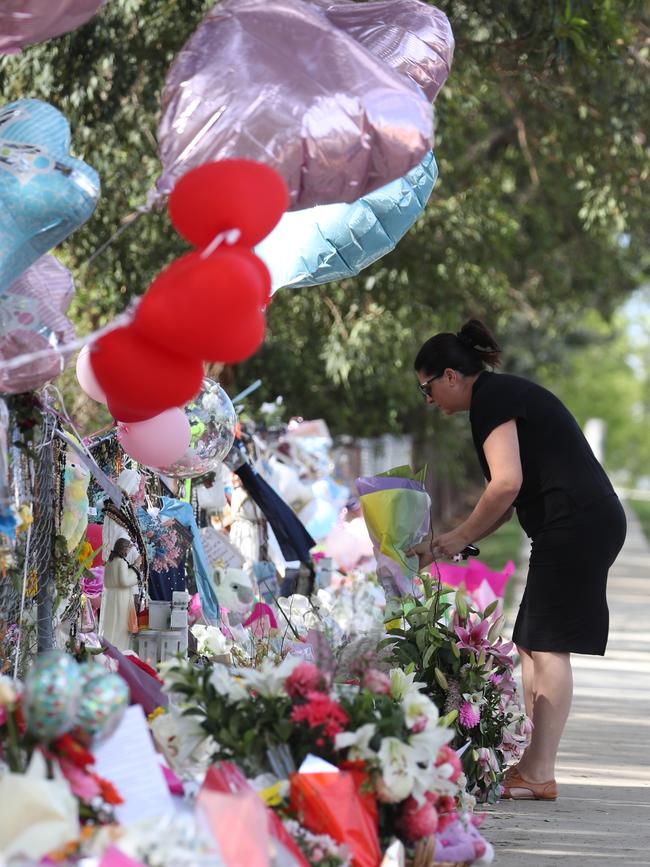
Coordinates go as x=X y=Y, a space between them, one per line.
x=332 y=803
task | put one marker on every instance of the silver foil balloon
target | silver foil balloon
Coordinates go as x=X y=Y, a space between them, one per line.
x=26 y=21
x=275 y=81
x=213 y=421
x=32 y=318
x=410 y=36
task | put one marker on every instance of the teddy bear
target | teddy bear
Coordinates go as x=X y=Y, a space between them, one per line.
x=234 y=592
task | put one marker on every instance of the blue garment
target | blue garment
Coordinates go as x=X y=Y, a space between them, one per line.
x=184 y=515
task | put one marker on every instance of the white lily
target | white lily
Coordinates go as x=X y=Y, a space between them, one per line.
x=402 y=684
x=268 y=681
x=399 y=770
x=358 y=742
x=475 y=698
x=184 y=742
x=228 y=686
x=416 y=705
x=426 y=744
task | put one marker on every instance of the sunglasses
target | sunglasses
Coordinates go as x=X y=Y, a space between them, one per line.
x=425 y=387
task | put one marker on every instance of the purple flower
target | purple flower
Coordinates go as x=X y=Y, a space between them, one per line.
x=469 y=715
x=474 y=636
x=502 y=652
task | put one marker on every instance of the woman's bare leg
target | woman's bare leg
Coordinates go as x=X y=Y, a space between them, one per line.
x=551 y=693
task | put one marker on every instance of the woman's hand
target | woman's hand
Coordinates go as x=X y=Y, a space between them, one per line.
x=423 y=551
x=450 y=544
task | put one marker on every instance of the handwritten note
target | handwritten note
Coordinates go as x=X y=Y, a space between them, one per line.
x=129 y=761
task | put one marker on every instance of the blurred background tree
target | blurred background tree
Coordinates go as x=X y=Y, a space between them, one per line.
x=537 y=224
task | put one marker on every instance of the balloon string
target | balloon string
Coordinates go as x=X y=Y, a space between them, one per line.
x=230 y=236
x=71 y=346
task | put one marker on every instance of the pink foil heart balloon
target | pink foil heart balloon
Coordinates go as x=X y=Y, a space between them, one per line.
x=32 y=318
x=26 y=21
x=275 y=81
x=410 y=36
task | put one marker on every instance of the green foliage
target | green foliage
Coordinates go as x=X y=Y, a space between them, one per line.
x=541 y=141
x=642 y=511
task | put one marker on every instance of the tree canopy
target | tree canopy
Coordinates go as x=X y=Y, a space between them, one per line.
x=537 y=219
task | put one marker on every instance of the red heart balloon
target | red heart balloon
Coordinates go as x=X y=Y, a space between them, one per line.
x=142 y=379
x=229 y=194
x=263 y=271
x=208 y=308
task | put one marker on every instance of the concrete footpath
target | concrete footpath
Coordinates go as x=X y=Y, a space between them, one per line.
x=602 y=815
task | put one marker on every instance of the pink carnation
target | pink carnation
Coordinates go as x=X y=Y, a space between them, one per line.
x=303 y=679
x=377 y=681
x=447 y=815
x=321 y=710
x=448 y=756
x=469 y=715
x=418 y=820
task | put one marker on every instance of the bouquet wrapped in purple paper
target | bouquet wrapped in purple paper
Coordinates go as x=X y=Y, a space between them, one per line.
x=396 y=509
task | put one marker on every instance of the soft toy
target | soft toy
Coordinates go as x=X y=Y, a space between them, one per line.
x=234 y=592
x=463 y=842
x=75 y=501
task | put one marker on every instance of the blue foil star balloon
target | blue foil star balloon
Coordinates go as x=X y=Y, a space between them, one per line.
x=45 y=194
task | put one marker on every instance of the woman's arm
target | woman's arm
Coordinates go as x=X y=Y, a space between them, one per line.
x=507 y=515
x=501 y=450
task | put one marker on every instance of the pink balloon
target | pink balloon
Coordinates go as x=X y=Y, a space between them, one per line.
x=87 y=379
x=158 y=441
x=26 y=21
x=32 y=319
x=276 y=82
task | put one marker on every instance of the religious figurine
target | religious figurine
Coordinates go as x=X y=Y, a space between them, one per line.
x=118 y=618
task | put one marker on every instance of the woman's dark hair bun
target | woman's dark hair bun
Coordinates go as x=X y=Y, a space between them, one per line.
x=477 y=336
x=469 y=351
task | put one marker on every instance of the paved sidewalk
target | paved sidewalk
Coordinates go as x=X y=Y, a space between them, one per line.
x=602 y=815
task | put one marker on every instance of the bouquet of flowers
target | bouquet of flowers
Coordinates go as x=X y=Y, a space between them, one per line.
x=396 y=509
x=467 y=669
x=384 y=728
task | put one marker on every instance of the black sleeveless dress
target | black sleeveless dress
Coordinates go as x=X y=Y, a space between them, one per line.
x=568 y=508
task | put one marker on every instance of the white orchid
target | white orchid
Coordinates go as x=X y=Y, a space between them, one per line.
x=300 y=613
x=399 y=770
x=210 y=640
x=358 y=742
x=268 y=681
x=403 y=684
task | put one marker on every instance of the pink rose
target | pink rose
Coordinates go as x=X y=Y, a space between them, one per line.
x=377 y=681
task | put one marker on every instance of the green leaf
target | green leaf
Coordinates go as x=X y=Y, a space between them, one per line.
x=442 y=680
x=450 y=718
x=461 y=604
x=490 y=608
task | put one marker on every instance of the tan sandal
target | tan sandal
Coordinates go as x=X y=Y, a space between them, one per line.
x=517 y=788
